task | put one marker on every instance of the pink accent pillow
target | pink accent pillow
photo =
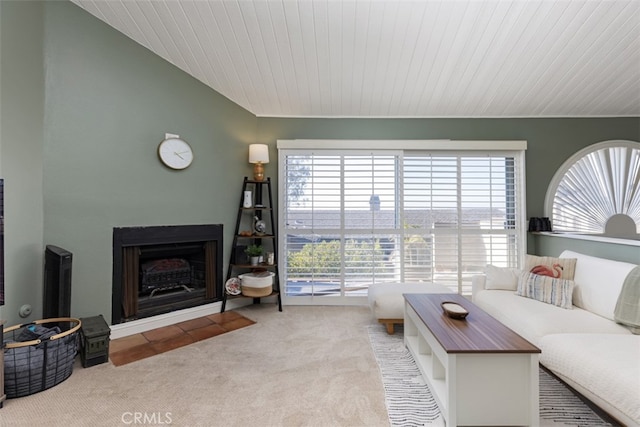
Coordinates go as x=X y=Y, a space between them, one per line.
x=558 y=268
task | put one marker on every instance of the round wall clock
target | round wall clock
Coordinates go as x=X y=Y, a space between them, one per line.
x=175 y=153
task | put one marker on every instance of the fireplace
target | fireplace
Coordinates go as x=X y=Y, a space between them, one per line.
x=160 y=269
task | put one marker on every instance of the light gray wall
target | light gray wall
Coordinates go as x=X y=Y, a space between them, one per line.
x=21 y=163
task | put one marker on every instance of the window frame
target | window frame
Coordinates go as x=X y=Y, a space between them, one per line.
x=515 y=149
x=568 y=164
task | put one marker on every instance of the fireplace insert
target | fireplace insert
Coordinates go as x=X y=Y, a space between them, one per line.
x=165 y=268
x=165 y=274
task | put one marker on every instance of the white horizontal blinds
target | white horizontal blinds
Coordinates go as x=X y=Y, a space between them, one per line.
x=370 y=191
x=431 y=218
x=357 y=217
x=601 y=184
x=460 y=214
x=341 y=225
x=370 y=225
x=430 y=188
x=488 y=202
x=313 y=244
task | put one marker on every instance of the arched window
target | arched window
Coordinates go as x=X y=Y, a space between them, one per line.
x=597 y=191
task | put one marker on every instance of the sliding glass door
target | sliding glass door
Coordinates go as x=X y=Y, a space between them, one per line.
x=351 y=218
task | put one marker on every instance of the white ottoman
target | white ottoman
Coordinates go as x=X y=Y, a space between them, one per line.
x=387 y=303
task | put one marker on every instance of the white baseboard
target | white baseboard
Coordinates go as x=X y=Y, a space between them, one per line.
x=142 y=325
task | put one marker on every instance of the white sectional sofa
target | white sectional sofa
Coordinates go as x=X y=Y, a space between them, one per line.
x=583 y=345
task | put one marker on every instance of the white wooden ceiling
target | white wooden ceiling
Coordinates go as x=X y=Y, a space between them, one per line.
x=397 y=58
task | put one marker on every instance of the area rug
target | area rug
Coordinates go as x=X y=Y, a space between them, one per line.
x=410 y=402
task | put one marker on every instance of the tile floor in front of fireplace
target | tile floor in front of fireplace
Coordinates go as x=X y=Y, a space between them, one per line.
x=139 y=346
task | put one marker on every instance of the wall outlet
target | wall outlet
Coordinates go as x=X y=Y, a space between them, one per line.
x=25 y=311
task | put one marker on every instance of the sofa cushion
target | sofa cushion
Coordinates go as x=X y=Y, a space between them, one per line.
x=501 y=278
x=546 y=289
x=533 y=319
x=602 y=367
x=562 y=268
x=598 y=283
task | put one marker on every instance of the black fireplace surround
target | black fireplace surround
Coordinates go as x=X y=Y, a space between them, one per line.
x=141 y=251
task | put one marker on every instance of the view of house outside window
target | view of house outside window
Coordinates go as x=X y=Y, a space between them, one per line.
x=354 y=218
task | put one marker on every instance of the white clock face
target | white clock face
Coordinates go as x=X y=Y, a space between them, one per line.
x=175 y=153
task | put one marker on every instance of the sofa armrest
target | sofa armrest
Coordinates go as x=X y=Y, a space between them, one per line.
x=477 y=284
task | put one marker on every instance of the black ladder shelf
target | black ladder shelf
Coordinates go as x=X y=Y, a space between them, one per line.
x=244 y=224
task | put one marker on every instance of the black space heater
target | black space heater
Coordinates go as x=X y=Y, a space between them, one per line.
x=57 y=282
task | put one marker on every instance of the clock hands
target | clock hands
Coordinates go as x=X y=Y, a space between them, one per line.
x=178 y=154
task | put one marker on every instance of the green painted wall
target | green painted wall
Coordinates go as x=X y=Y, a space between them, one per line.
x=554 y=245
x=21 y=162
x=109 y=102
x=103 y=103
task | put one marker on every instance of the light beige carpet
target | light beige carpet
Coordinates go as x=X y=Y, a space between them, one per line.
x=305 y=366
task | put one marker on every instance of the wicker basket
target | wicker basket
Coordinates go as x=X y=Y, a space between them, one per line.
x=257 y=285
x=39 y=364
x=256 y=292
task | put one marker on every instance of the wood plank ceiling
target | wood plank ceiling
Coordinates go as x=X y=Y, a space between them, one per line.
x=398 y=58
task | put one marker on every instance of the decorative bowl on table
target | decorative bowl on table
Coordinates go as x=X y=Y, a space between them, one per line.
x=454 y=310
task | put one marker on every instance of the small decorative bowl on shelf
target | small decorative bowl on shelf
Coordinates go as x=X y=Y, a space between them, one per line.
x=454 y=310
x=233 y=286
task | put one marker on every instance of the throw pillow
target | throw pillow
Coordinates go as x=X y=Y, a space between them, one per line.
x=627 y=311
x=559 y=268
x=546 y=289
x=502 y=278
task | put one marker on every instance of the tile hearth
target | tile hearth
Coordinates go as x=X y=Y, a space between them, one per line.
x=140 y=346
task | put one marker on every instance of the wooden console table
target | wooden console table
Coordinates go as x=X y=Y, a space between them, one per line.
x=479 y=371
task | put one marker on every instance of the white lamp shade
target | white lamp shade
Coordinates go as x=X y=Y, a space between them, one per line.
x=258 y=153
